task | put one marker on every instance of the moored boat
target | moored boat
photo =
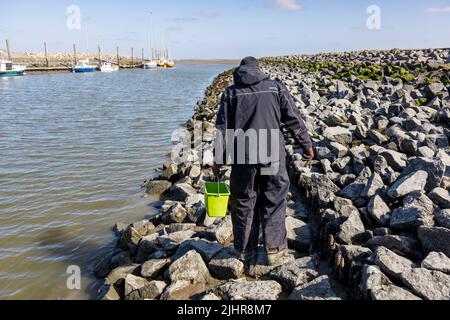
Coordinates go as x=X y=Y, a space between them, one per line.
x=170 y=64
x=9 y=69
x=83 y=66
x=149 y=65
x=108 y=67
x=161 y=63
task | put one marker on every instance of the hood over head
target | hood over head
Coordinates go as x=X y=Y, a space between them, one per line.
x=249 y=72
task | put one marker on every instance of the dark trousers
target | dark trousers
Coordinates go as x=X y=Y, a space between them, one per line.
x=258 y=200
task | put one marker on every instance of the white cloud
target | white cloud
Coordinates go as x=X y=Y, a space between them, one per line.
x=287 y=4
x=439 y=10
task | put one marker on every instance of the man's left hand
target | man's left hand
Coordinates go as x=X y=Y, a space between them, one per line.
x=216 y=169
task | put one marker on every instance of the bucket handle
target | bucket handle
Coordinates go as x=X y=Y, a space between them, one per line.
x=218 y=186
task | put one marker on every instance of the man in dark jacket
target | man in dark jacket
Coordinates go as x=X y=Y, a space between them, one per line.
x=249 y=109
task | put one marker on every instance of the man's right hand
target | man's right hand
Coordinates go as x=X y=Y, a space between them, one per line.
x=308 y=157
x=311 y=153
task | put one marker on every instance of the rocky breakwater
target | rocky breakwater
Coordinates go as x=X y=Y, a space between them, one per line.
x=378 y=192
x=181 y=253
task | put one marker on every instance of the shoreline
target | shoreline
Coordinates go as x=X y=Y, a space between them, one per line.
x=62 y=62
x=367 y=210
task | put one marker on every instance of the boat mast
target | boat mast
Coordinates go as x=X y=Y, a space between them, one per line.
x=151 y=37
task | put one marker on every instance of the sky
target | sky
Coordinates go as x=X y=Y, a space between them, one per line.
x=216 y=29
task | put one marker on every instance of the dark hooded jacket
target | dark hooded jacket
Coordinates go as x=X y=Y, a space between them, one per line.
x=256 y=102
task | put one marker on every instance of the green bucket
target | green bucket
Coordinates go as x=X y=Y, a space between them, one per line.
x=216 y=199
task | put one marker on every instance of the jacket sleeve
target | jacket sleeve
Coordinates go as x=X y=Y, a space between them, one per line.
x=290 y=116
x=221 y=126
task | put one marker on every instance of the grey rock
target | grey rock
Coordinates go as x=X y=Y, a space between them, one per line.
x=129 y=239
x=437 y=261
x=189 y=267
x=322 y=187
x=402 y=245
x=171 y=241
x=434 y=167
x=133 y=283
x=395 y=160
x=409 y=219
x=176 y=213
x=412 y=182
x=210 y=297
x=144 y=227
x=409 y=146
x=435 y=239
x=194 y=172
x=379 y=210
x=207 y=249
x=344 y=207
x=250 y=290
x=181 y=191
x=298 y=234
x=224 y=231
x=157 y=187
x=339 y=164
x=391 y=263
x=422 y=202
x=318 y=289
x=442 y=218
x=176 y=227
x=294 y=274
x=137 y=288
x=119 y=228
x=428 y=284
x=225 y=265
x=377 y=137
x=443 y=115
x=350 y=231
x=378 y=287
x=182 y=290
x=151 y=268
x=339 y=149
x=170 y=171
x=435 y=88
x=374 y=186
x=338 y=134
x=355 y=254
x=147 y=245
x=441 y=197
x=425 y=152
x=117 y=276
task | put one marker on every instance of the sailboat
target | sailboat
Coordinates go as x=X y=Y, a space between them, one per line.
x=169 y=63
x=161 y=60
x=152 y=63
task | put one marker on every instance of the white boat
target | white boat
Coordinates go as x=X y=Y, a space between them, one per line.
x=150 y=65
x=108 y=67
x=8 y=69
x=84 y=66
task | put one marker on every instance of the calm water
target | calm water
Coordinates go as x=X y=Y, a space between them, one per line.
x=73 y=150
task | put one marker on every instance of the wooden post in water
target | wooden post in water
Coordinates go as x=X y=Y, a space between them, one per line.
x=8 y=50
x=132 y=57
x=99 y=57
x=46 y=53
x=74 y=54
x=118 y=57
